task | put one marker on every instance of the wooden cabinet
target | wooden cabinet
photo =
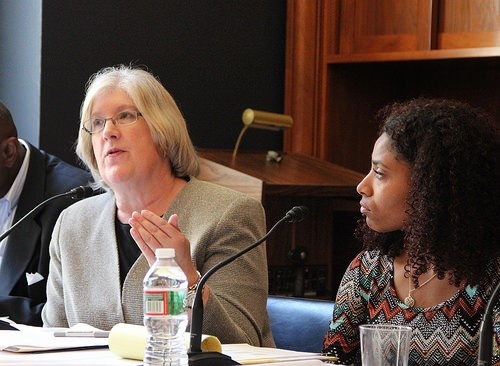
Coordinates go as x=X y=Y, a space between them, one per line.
x=368 y=26
x=324 y=237
x=468 y=24
x=348 y=58
x=383 y=25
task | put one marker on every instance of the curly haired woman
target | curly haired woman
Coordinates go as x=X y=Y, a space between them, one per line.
x=431 y=259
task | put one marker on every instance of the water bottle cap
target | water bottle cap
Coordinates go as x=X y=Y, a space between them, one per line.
x=165 y=252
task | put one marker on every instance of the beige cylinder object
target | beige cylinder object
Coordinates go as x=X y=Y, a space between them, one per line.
x=252 y=116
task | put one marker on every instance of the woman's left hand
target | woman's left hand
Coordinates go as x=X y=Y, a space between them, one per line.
x=151 y=231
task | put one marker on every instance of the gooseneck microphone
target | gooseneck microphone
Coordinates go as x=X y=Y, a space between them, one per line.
x=196 y=356
x=75 y=193
x=486 y=330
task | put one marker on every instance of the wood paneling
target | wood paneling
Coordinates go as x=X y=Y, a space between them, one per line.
x=385 y=25
x=468 y=24
x=301 y=73
x=369 y=53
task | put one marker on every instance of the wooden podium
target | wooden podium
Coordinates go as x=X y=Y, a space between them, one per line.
x=307 y=258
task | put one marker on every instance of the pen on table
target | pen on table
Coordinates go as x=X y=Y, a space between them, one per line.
x=82 y=333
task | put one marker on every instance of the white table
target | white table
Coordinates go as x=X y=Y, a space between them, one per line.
x=93 y=357
x=43 y=338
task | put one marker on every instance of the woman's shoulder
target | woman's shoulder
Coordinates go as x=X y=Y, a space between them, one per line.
x=371 y=259
x=204 y=204
x=491 y=276
x=90 y=203
x=370 y=263
x=207 y=190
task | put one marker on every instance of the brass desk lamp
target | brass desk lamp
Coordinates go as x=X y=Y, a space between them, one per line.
x=262 y=120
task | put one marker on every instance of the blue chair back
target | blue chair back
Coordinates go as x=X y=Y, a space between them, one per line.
x=299 y=324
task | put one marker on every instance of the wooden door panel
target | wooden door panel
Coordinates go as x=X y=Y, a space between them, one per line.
x=468 y=24
x=369 y=26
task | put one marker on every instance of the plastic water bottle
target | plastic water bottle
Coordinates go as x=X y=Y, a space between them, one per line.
x=165 y=286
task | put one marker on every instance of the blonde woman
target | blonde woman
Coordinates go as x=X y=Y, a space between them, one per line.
x=134 y=140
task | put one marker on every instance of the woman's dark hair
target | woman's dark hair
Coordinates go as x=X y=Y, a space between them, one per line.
x=453 y=200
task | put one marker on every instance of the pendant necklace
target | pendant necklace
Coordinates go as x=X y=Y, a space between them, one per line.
x=409 y=300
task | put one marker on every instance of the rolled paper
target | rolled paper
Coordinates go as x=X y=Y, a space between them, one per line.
x=129 y=341
x=252 y=116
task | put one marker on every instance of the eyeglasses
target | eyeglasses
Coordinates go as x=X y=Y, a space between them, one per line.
x=122 y=118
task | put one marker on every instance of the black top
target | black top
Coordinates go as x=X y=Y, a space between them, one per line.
x=128 y=250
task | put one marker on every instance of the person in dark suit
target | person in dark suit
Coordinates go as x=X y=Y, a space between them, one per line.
x=28 y=176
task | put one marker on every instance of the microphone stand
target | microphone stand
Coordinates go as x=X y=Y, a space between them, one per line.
x=486 y=330
x=75 y=193
x=196 y=356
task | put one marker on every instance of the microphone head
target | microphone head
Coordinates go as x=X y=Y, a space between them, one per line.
x=296 y=214
x=81 y=192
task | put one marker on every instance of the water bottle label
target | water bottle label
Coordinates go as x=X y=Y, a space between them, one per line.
x=163 y=302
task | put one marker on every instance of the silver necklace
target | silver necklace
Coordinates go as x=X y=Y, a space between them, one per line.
x=409 y=300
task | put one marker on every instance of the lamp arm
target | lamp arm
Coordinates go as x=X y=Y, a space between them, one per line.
x=237 y=145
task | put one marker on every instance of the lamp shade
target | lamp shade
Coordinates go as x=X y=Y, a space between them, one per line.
x=253 y=118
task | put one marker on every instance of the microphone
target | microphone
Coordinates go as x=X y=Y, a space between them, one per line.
x=75 y=193
x=296 y=214
x=195 y=355
x=486 y=330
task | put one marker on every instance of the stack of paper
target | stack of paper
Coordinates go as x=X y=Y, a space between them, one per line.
x=246 y=354
x=37 y=339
